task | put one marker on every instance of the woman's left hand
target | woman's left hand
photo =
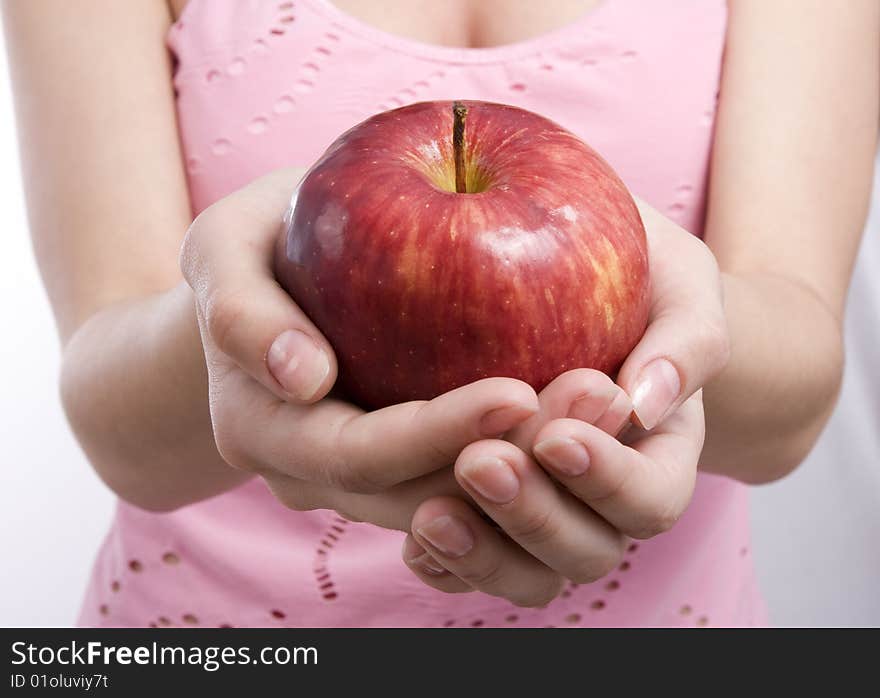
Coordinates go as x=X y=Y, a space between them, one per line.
x=564 y=492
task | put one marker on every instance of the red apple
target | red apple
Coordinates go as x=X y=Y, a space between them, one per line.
x=431 y=259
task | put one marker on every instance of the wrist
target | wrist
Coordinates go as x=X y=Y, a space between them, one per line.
x=134 y=388
x=767 y=408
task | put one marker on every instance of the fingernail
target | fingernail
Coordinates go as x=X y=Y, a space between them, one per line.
x=591 y=407
x=298 y=364
x=500 y=420
x=566 y=456
x=492 y=478
x=449 y=535
x=657 y=388
x=428 y=565
x=617 y=416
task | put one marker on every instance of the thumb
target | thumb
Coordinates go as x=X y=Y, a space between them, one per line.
x=686 y=343
x=227 y=258
x=677 y=356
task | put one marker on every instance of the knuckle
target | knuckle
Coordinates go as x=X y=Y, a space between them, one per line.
x=592 y=568
x=540 y=596
x=617 y=485
x=230 y=450
x=704 y=254
x=350 y=470
x=228 y=430
x=422 y=422
x=535 y=528
x=658 y=520
x=188 y=257
x=349 y=477
x=200 y=232
x=485 y=576
x=223 y=313
x=587 y=572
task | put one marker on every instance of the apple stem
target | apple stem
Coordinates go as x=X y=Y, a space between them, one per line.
x=459 y=114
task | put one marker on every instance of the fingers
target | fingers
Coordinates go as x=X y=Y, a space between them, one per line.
x=383 y=448
x=227 y=259
x=686 y=343
x=580 y=394
x=466 y=545
x=403 y=441
x=641 y=489
x=548 y=522
x=334 y=443
x=431 y=572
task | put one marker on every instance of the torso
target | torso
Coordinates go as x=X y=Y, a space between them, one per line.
x=459 y=23
x=265 y=84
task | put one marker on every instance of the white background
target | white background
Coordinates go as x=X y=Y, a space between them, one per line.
x=817 y=532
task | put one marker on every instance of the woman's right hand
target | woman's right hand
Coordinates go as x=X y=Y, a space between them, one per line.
x=270 y=369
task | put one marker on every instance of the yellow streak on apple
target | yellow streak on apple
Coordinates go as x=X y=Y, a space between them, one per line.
x=612 y=278
x=609 y=316
x=613 y=269
x=409 y=263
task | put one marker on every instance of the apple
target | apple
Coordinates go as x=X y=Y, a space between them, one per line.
x=441 y=243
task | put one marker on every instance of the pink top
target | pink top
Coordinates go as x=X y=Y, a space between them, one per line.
x=264 y=85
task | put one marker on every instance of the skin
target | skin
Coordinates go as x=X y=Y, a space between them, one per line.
x=166 y=346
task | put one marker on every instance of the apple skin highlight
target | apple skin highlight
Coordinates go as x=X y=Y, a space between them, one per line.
x=539 y=268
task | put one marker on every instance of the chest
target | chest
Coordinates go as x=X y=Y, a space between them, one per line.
x=467 y=23
x=459 y=23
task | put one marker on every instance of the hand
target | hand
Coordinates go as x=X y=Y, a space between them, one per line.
x=547 y=534
x=583 y=394
x=497 y=564
x=269 y=368
x=638 y=488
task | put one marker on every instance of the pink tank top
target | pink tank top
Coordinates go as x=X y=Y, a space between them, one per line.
x=263 y=85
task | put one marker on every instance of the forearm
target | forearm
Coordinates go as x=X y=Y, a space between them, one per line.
x=134 y=387
x=769 y=405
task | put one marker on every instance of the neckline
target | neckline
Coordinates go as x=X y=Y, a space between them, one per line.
x=456 y=54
